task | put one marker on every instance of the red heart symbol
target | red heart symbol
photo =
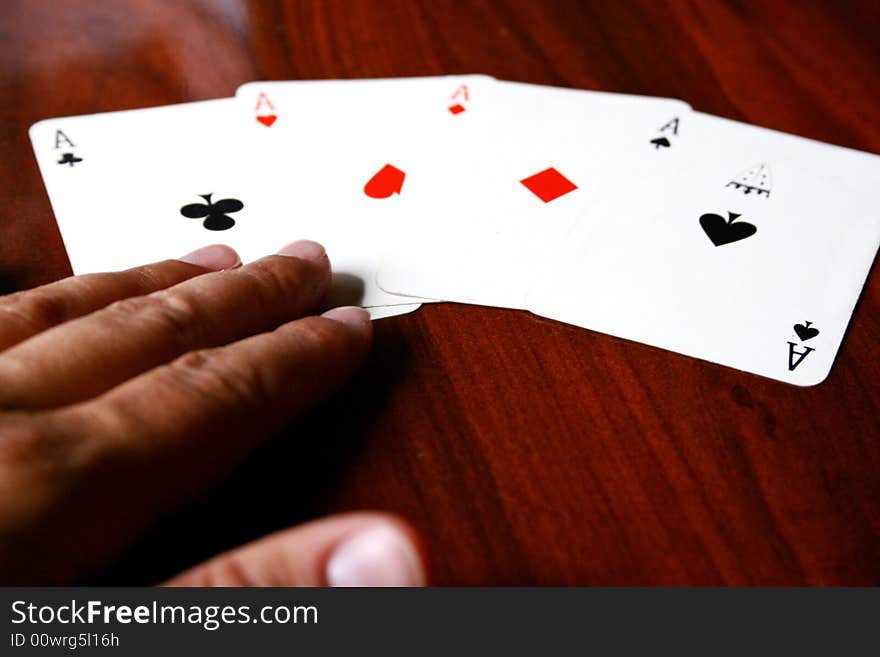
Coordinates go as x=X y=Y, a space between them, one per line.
x=387 y=181
x=267 y=119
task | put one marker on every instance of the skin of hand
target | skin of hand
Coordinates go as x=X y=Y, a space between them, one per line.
x=173 y=373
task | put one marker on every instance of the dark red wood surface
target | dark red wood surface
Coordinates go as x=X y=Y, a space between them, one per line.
x=525 y=451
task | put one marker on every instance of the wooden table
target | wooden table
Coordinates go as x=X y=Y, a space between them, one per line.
x=525 y=451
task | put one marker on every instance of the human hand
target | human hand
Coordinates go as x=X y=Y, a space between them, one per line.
x=126 y=395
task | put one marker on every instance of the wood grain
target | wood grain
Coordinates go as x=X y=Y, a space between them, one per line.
x=525 y=451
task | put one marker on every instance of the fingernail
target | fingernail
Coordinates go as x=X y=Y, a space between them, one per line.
x=305 y=249
x=351 y=315
x=215 y=257
x=378 y=556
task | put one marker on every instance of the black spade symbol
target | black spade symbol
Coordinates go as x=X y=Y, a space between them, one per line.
x=805 y=331
x=724 y=232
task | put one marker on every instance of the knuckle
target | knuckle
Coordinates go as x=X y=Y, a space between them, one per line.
x=232 y=382
x=155 y=276
x=146 y=278
x=13 y=371
x=326 y=337
x=25 y=446
x=321 y=333
x=227 y=570
x=35 y=310
x=278 y=277
x=171 y=313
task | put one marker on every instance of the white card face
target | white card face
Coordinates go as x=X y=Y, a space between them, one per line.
x=381 y=312
x=120 y=195
x=352 y=150
x=480 y=224
x=118 y=181
x=751 y=255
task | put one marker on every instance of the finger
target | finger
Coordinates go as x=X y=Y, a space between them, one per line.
x=354 y=549
x=90 y=355
x=112 y=465
x=25 y=314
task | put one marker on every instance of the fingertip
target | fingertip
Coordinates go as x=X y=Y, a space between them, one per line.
x=358 y=327
x=215 y=257
x=381 y=554
x=312 y=253
x=305 y=250
x=362 y=548
x=353 y=316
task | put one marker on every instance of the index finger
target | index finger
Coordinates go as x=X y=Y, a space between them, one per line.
x=134 y=335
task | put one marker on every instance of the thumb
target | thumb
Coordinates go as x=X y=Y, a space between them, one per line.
x=352 y=549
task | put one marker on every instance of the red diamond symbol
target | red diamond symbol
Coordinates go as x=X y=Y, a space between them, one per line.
x=548 y=184
x=458 y=108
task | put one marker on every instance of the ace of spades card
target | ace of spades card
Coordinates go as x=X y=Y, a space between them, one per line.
x=751 y=253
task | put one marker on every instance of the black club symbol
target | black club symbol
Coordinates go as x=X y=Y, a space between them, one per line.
x=69 y=158
x=215 y=214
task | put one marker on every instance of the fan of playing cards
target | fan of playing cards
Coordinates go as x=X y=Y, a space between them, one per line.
x=633 y=216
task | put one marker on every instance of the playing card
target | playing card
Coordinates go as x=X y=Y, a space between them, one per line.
x=381 y=312
x=480 y=224
x=752 y=254
x=142 y=185
x=119 y=183
x=352 y=151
